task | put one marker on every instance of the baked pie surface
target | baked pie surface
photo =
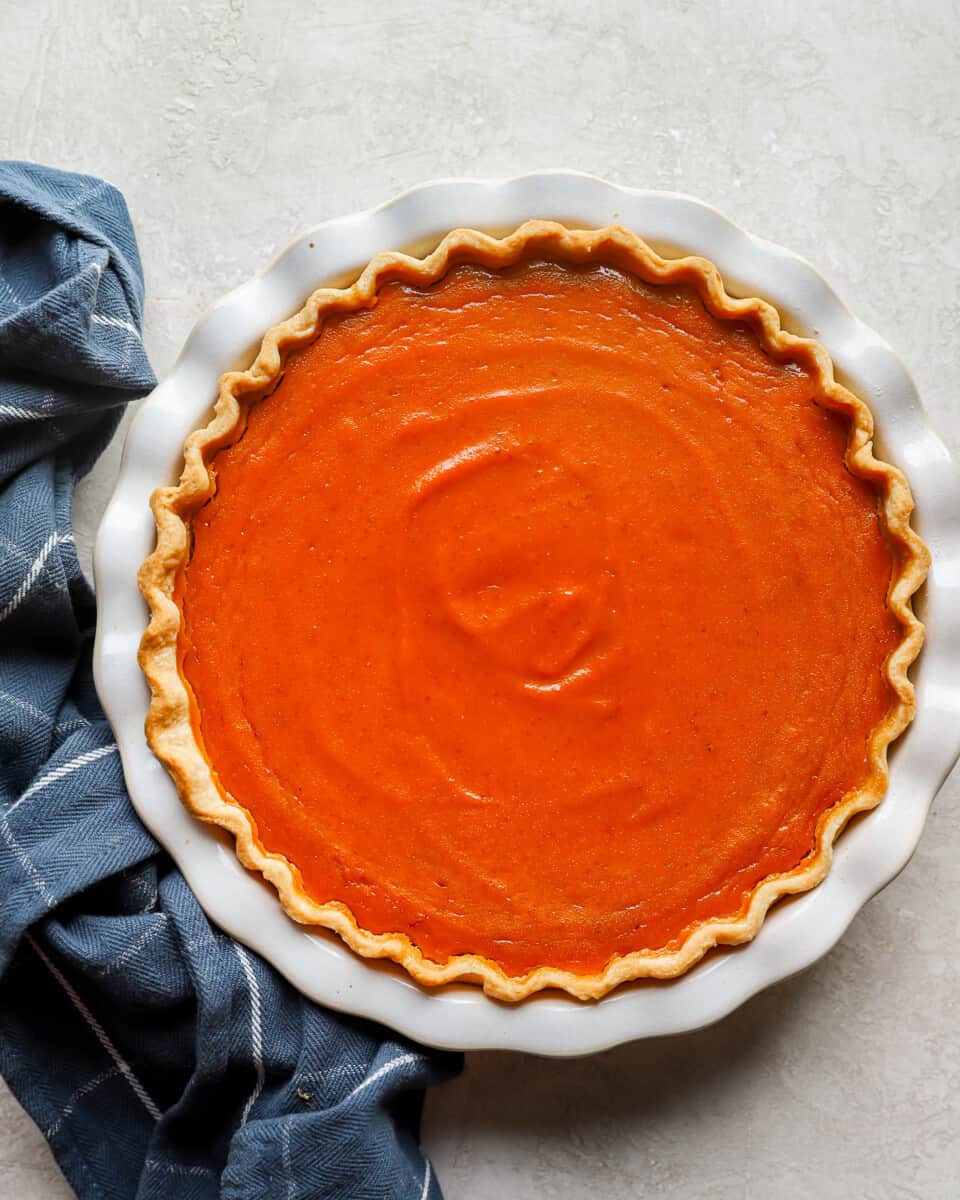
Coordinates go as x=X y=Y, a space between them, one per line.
x=542 y=620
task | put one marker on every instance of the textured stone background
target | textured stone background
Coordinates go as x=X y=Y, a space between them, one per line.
x=834 y=128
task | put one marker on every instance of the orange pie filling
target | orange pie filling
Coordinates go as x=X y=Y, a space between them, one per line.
x=536 y=616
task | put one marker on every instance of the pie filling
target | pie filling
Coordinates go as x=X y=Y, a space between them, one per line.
x=536 y=615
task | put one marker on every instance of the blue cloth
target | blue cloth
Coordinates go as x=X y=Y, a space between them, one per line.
x=159 y=1057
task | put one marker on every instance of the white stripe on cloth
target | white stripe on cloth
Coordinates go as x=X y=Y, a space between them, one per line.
x=37 y=713
x=12 y=548
x=285 y=1155
x=148 y=889
x=136 y=947
x=20 y=414
x=81 y=1091
x=98 y=1031
x=328 y=1072
x=84 y=197
x=67 y=768
x=256 y=1030
x=73 y=723
x=31 y=577
x=157 y=1164
x=386 y=1069
x=117 y=323
x=26 y=862
x=426 y=1182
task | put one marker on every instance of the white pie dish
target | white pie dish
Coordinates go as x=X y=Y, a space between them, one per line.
x=795 y=934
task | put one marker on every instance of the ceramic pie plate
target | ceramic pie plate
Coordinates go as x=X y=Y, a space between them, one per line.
x=868 y=855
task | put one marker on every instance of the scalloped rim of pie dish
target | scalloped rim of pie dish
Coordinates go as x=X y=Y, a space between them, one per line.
x=169 y=728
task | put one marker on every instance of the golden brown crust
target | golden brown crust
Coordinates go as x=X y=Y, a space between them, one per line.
x=169 y=728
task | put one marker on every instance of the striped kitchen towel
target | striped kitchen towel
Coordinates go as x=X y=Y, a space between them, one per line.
x=159 y=1057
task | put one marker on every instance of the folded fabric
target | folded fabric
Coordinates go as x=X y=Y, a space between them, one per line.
x=159 y=1057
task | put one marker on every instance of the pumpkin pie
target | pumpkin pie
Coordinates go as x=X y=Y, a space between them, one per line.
x=534 y=613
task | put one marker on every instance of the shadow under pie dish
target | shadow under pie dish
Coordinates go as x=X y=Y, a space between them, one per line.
x=534 y=613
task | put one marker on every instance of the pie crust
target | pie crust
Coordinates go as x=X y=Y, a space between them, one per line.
x=169 y=728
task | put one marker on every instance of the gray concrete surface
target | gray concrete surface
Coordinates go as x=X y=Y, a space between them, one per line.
x=834 y=128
